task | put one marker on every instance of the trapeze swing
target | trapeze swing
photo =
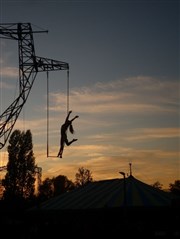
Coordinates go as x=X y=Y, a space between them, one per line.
x=48 y=155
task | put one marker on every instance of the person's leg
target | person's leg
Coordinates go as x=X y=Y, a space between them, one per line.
x=70 y=142
x=61 y=150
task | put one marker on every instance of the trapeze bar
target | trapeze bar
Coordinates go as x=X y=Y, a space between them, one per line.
x=51 y=156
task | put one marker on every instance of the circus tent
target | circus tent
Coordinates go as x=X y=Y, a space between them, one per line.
x=112 y=193
x=107 y=207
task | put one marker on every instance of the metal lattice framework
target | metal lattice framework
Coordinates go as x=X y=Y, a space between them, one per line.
x=29 y=66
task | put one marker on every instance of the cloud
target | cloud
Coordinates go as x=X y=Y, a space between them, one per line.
x=11 y=72
x=5 y=85
x=7 y=68
x=131 y=95
x=152 y=133
x=147 y=165
x=120 y=122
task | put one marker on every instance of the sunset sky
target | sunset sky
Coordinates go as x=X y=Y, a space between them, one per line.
x=124 y=85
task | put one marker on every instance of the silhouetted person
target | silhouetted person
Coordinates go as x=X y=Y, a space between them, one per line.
x=67 y=124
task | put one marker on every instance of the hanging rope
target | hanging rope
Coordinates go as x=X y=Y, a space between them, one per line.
x=47 y=114
x=48 y=108
x=67 y=91
x=1 y=83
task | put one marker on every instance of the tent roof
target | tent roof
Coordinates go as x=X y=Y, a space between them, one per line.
x=109 y=194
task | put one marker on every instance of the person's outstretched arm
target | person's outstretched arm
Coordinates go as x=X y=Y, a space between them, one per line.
x=67 y=117
x=74 y=118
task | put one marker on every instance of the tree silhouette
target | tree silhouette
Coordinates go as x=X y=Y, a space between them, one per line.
x=83 y=176
x=19 y=181
x=62 y=184
x=51 y=187
x=46 y=189
x=157 y=184
x=175 y=187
